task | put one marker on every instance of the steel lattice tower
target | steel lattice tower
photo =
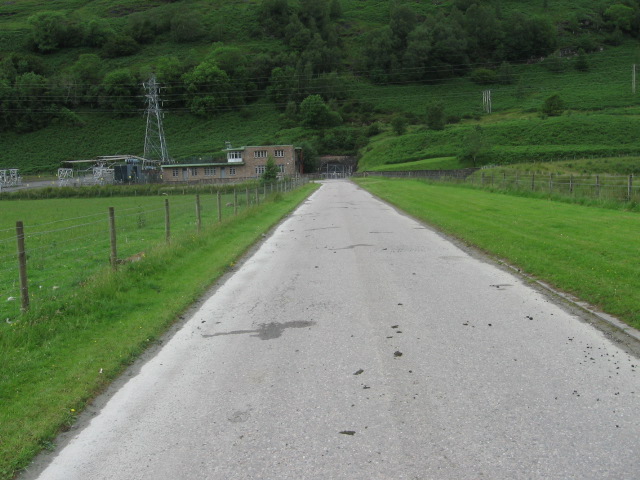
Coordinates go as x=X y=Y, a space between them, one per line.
x=155 y=145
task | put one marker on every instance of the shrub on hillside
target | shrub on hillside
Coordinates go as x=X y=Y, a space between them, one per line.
x=187 y=27
x=484 y=76
x=436 y=118
x=553 y=106
x=120 y=46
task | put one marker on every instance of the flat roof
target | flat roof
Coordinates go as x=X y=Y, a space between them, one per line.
x=208 y=164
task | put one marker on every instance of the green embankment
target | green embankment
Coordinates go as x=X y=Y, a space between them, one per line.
x=587 y=251
x=57 y=359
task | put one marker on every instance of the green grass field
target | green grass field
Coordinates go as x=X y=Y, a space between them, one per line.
x=586 y=251
x=59 y=356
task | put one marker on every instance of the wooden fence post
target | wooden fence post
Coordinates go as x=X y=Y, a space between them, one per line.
x=248 y=197
x=533 y=182
x=630 y=188
x=219 y=198
x=598 y=186
x=550 y=182
x=22 y=261
x=235 y=201
x=571 y=183
x=112 y=238
x=198 y=216
x=167 y=221
x=257 y=196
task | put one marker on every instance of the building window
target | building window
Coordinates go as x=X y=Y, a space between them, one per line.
x=260 y=169
x=260 y=154
x=281 y=168
x=174 y=172
x=234 y=155
x=279 y=153
x=232 y=170
x=209 y=171
x=194 y=172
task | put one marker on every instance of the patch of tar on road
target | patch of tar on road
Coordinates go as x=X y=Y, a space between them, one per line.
x=267 y=331
x=320 y=228
x=501 y=286
x=351 y=247
x=240 y=416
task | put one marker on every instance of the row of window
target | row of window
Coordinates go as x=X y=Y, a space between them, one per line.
x=260 y=169
x=208 y=171
x=263 y=154
x=211 y=171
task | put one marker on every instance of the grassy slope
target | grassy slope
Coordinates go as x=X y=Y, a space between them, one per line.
x=587 y=251
x=59 y=358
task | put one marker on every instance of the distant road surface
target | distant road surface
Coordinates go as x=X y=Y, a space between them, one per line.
x=356 y=343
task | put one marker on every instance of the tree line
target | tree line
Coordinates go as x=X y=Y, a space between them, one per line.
x=306 y=79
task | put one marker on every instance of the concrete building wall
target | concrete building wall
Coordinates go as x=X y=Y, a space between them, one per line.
x=250 y=166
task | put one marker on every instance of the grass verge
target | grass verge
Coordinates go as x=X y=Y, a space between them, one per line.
x=586 y=251
x=60 y=356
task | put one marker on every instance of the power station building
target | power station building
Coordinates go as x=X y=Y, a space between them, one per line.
x=242 y=163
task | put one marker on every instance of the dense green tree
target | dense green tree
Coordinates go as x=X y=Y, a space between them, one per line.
x=553 y=106
x=30 y=105
x=48 y=31
x=621 y=17
x=484 y=32
x=121 y=92
x=448 y=48
x=296 y=35
x=120 y=46
x=527 y=37
x=282 y=86
x=474 y=145
x=402 y=22
x=97 y=32
x=274 y=15
x=208 y=88
x=399 y=124
x=335 y=9
x=436 y=118
x=417 y=57
x=581 y=63
x=271 y=170
x=315 y=113
x=379 y=57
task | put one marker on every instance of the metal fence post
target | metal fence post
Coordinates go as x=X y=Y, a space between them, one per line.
x=22 y=261
x=219 y=198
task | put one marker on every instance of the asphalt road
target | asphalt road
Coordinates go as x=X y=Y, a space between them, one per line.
x=356 y=343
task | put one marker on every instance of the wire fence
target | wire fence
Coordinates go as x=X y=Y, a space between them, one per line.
x=618 y=188
x=42 y=261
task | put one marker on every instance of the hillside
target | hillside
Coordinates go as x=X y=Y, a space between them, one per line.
x=70 y=77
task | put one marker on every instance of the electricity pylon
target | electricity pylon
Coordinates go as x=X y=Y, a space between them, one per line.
x=155 y=145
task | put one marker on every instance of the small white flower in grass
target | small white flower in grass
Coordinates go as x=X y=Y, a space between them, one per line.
x=55 y=287
x=11 y=299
